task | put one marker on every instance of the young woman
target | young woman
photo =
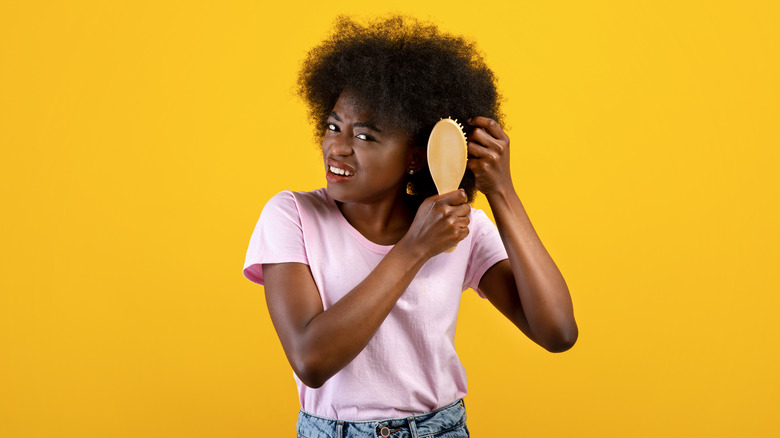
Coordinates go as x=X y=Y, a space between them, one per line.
x=359 y=286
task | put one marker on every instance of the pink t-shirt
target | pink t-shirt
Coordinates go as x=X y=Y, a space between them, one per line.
x=410 y=365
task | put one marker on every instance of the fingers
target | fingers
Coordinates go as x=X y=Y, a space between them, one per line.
x=453 y=205
x=488 y=148
x=442 y=221
x=484 y=138
x=477 y=150
x=487 y=141
x=457 y=222
x=489 y=126
x=455 y=197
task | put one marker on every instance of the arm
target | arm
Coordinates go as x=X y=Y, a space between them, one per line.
x=318 y=343
x=528 y=288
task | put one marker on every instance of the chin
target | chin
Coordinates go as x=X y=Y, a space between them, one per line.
x=337 y=193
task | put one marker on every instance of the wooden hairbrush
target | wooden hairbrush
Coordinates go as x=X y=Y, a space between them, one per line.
x=447 y=155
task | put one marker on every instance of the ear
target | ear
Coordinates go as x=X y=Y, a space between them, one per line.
x=418 y=159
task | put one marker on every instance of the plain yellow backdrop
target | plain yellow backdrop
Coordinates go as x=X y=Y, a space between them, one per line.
x=140 y=141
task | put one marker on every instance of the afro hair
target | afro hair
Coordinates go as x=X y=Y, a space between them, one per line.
x=409 y=73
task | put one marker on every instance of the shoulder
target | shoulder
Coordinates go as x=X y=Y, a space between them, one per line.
x=305 y=209
x=479 y=220
x=288 y=200
x=483 y=232
x=289 y=196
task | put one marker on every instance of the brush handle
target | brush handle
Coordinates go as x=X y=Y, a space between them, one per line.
x=447 y=155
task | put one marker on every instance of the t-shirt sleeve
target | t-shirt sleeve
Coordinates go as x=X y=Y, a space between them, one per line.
x=487 y=249
x=277 y=237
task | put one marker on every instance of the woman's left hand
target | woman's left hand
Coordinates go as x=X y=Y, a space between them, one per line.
x=488 y=147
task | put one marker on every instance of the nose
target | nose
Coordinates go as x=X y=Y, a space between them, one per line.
x=339 y=146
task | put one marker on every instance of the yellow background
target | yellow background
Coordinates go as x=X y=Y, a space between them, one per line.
x=140 y=141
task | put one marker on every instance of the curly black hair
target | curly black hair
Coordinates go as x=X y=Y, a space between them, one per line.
x=409 y=73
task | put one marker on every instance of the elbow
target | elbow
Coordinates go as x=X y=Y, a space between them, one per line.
x=310 y=371
x=311 y=380
x=562 y=341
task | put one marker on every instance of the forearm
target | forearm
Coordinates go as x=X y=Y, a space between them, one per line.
x=543 y=293
x=318 y=342
x=334 y=337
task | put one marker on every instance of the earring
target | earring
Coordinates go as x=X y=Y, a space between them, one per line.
x=411 y=171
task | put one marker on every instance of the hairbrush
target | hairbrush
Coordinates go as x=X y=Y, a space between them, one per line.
x=447 y=155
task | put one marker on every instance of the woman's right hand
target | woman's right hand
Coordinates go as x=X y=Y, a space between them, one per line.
x=440 y=223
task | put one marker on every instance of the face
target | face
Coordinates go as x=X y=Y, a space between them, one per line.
x=364 y=161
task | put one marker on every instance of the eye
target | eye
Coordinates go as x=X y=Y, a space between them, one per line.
x=331 y=127
x=365 y=137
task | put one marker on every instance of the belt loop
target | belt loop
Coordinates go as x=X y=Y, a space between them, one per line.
x=413 y=427
x=340 y=429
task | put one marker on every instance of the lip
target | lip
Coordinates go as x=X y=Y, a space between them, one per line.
x=332 y=177
x=340 y=165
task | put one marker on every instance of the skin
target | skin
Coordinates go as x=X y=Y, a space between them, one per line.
x=528 y=288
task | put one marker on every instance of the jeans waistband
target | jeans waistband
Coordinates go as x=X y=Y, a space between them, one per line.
x=443 y=419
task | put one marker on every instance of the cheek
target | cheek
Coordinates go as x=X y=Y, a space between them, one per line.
x=392 y=163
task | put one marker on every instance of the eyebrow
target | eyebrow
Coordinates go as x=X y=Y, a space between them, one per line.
x=368 y=125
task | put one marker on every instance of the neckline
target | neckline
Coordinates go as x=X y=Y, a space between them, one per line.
x=375 y=247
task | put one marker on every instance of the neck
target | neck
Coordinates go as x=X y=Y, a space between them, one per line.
x=383 y=223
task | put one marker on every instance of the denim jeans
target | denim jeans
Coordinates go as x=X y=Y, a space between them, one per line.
x=446 y=422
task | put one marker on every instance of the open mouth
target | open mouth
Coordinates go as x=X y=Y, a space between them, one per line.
x=340 y=172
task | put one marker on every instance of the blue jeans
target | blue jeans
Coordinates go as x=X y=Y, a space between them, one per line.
x=446 y=422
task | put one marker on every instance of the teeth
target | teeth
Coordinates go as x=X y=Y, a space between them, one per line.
x=338 y=171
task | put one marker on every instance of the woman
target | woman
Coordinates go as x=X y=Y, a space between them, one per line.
x=359 y=287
